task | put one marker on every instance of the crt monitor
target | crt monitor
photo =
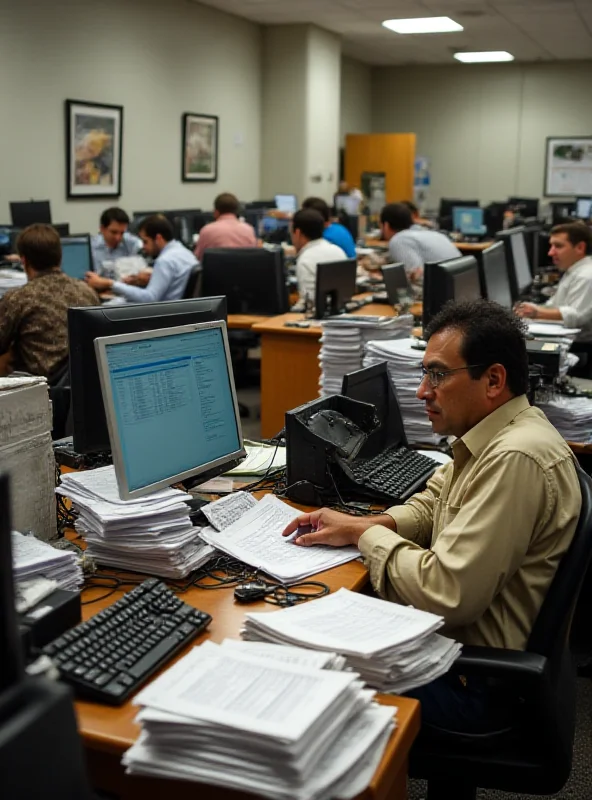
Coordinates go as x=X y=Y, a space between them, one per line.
x=76 y=256
x=517 y=260
x=445 y=210
x=87 y=324
x=373 y=385
x=335 y=285
x=252 y=278
x=584 y=208
x=495 y=273
x=525 y=206
x=35 y=211
x=468 y=220
x=455 y=279
x=287 y=203
x=171 y=405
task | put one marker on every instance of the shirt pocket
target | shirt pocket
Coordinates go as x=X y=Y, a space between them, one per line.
x=444 y=513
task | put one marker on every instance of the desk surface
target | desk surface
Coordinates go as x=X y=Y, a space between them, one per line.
x=245 y=321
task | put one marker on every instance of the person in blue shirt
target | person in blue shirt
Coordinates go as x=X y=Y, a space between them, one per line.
x=172 y=267
x=334 y=232
x=113 y=241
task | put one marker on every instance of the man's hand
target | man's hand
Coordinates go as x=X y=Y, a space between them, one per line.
x=529 y=310
x=333 y=528
x=141 y=278
x=98 y=283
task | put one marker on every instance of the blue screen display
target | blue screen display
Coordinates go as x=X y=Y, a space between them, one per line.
x=468 y=220
x=173 y=404
x=76 y=258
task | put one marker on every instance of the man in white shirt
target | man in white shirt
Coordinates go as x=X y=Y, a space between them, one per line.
x=413 y=247
x=307 y=237
x=569 y=247
x=113 y=241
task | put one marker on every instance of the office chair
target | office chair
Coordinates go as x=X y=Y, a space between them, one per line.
x=193 y=285
x=534 y=754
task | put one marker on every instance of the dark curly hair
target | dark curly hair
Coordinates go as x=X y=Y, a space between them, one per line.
x=491 y=335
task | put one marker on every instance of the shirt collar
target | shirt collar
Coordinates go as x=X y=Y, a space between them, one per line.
x=583 y=262
x=477 y=439
x=227 y=216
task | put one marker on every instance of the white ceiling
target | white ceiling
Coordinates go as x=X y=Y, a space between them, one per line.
x=532 y=30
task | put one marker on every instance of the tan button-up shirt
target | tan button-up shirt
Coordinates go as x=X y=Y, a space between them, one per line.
x=481 y=544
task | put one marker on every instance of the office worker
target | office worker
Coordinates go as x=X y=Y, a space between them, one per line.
x=33 y=318
x=334 y=231
x=173 y=263
x=570 y=246
x=113 y=241
x=419 y=222
x=307 y=237
x=480 y=545
x=410 y=246
x=227 y=230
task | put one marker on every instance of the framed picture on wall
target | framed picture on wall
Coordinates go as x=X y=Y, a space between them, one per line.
x=568 y=166
x=94 y=134
x=200 y=148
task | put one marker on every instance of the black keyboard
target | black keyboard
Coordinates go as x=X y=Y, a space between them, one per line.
x=395 y=474
x=111 y=655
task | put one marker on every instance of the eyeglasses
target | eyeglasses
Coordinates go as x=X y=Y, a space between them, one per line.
x=436 y=376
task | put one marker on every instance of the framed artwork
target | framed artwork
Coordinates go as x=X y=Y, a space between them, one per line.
x=94 y=134
x=200 y=148
x=568 y=166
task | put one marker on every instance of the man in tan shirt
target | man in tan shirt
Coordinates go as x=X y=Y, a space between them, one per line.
x=481 y=544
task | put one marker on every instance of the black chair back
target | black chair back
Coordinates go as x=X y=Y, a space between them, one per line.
x=193 y=287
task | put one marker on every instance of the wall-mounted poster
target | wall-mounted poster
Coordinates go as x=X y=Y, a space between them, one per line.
x=94 y=135
x=200 y=148
x=568 y=166
x=374 y=191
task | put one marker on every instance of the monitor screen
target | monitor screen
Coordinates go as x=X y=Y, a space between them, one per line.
x=584 y=208
x=497 y=282
x=468 y=221
x=335 y=285
x=286 y=203
x=24 y=214
x=87 y=324
x=76 y=256
x=520 y=258
x=171 y=405
x=273 y=224
x=252 y=278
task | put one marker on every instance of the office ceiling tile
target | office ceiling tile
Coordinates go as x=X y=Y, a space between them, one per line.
x=532 y=30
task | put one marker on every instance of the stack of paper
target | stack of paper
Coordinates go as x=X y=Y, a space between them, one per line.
x=570 y=415
x=261 y=459
x=394 y=648
x=282 y=729
x=255 y=537
x=11 y=279
x=150 y=534
x=34 y=560
x=343 y=340
x=404 y=370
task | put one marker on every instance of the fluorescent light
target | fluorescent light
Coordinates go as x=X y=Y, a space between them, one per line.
x=423 y=25
x=487 y=56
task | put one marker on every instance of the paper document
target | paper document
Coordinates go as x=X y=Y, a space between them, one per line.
x=129 y=265
x=222 y=513
x=551 y=329
x=33 y=559
x=260 y=459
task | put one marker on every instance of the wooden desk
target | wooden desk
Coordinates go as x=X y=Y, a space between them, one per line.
x=379 y=244
x=107 y=732
x=470 y=248
x=244 y=322
x=290 y=368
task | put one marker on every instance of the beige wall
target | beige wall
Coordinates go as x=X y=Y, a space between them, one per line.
x=356 y=98
x=484 y=127
x=156 y=59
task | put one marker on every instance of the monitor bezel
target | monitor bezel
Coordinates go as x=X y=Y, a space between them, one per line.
x=494 y=249
x=101 y=345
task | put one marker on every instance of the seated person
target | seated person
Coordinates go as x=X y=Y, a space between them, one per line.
x=334 y=231
x=481 y=544
x=570 y=246
x=419 y=222
x=34 y=317
x=227 y=230
x=312 y=249
x=172 y=266
x=113 y=241
x=413 y=248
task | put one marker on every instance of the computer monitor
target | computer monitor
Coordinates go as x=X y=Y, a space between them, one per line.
x=467 y=220
x=76 y=256
x=274 y=228
x=260 y=204
x=187 y=422
x=288 y=203
x=584 y=208
x=373 y=385
x=455 y=279
x=493 y=217
x=525 y=206
x=446 y=206
x=495 y=271
x=63 y=228
x=335 y=285
x=562 y=211
x=396 y=283
x=24 y=214
x=87 y=324
x=519 y=271
x=532 y=241
x=252 y=278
